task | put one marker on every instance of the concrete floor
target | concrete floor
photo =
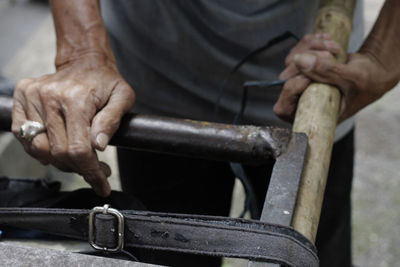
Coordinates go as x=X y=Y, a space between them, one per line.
x=27 y=49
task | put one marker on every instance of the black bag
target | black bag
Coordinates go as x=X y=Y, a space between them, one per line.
x=43 y=194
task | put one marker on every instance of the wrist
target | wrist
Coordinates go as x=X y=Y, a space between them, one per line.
x=86 y=59
x=80 y=32
x=99 y=51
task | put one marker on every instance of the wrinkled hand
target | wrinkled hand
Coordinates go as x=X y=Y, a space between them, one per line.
x=81 y=106
x=362 y=80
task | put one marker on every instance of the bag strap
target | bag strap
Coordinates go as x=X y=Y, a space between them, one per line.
x=109 y=230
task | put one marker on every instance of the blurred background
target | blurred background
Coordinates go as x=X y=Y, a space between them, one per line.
x=27 y=49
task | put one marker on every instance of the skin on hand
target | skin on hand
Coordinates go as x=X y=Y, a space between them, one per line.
x=362 y=80
x=81 y=106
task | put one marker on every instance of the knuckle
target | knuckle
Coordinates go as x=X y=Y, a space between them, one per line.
x=288 y=58
x=58 y=151
x=76 y=97
x=308 y=37
x=326 y=66
x=15 y=129
x=317 y=35
x=31 y=90
x=316 y=43
x=287 y=88
x=113 y=124
x=21 y=84
x=326 y=36
x=128 y=100
x=277 y=109
x=295 y=85
x=283 y=113
x=49 y=96
x=79 y=151
x=74 y=93
x=41 y=148
x=361 y=79
x=131 y=95
x=49 y=91
x=326 y=54
x=322 y=67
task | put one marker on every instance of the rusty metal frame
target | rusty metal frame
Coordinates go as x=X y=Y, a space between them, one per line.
x=225 y=142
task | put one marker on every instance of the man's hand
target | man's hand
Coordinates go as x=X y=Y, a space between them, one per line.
x=361 y=81
x=81 y=106
x=365 y=77
x=318 y=44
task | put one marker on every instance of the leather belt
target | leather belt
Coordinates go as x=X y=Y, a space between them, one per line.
x=197 y=234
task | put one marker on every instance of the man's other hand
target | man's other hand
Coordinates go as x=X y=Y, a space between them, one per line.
x=81 y=106
x=362 y=80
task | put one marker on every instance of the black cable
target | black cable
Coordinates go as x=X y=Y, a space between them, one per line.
x=237 y=168
x=129 y=255
x=255 y=84
x=270 y=43
x=250 y=203
x=264 y=84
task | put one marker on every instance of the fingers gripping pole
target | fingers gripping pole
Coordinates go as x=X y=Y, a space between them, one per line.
x=316 y=115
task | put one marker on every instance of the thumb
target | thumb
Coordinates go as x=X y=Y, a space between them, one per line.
x=322 y=67
x=106 y=122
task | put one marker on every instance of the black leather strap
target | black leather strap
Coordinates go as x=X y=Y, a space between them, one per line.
x=207 y=235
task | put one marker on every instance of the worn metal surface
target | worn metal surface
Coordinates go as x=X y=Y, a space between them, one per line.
x=283 y=188
x=220 y=142
x=284 y=184
x=198 y=139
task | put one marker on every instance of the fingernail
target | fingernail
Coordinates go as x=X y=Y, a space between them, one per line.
x=305 y=61
x=102 y=140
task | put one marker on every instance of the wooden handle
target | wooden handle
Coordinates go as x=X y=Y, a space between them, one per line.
x=316 y=115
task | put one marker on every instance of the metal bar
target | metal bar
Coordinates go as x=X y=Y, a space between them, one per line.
x=280 y=202
x=217 y=141
x=282 y=192
x=316 y=116
x=198 y=139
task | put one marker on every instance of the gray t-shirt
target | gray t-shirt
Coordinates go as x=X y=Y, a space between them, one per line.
x=176 y=53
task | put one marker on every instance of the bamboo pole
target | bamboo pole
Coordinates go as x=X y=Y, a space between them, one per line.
x=316 y=116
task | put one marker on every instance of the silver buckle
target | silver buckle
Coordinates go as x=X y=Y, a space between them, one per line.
x=107 y=210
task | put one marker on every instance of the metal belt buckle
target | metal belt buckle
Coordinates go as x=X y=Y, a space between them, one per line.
x=107 y=210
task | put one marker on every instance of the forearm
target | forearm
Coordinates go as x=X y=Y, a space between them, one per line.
x=383 y=42
x=80 y=31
